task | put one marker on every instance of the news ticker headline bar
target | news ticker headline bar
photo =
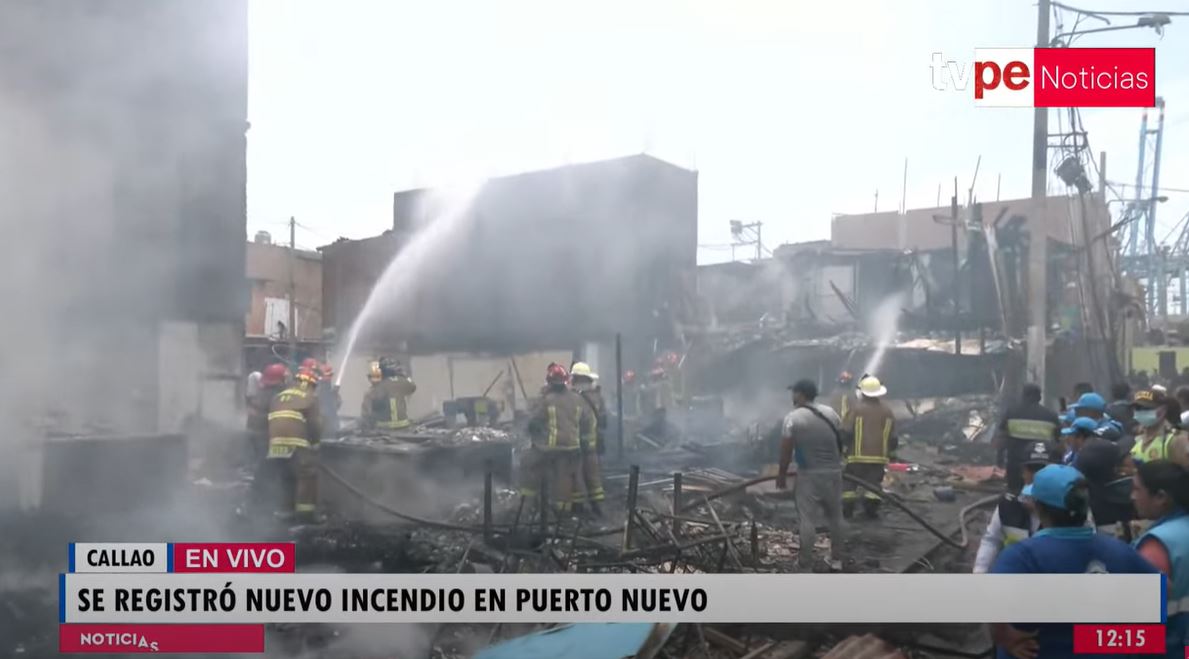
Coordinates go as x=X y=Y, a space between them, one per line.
x=726 y=598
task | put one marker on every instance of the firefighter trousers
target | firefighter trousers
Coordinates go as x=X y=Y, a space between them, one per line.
x=591 y=488
x=872 y=473
x=554 y=472
x=298 y=476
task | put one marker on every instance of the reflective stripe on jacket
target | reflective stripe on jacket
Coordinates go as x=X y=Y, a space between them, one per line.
x=293 y=422
x=1030 y=430
x=870 y=425
x=558 y=420
x=386 y=404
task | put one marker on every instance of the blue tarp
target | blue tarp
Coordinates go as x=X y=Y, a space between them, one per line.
x=583 y=641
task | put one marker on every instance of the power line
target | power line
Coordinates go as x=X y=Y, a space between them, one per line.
x=1161 y=189
x=1091 y=12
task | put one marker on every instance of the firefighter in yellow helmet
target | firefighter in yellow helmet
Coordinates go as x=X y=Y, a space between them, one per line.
x=869 y=431
x=586 y=383
x=386 y=404
x=294 y=428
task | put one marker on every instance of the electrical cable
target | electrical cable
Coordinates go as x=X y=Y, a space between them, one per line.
x=1091 y=12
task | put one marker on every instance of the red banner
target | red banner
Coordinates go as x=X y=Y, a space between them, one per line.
x=1118 y=639
x=233 y=557
x=1094 y=78
x=107 y=639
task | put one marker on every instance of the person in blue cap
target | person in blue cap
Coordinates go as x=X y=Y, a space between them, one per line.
x=1064 y=545
x=1093 y=406
x=1101 y=462
x=1015 y=517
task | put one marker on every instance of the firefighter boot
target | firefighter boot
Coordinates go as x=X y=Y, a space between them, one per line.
x=595 y=509
x=848 y=508
x=871 y=508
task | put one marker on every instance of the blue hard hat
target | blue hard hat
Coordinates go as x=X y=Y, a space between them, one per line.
x=1052 y=484
x=1091 y=401
x=1081 y=423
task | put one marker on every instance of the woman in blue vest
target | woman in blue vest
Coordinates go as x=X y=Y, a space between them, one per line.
x=1064 y=545
x=1160 y=490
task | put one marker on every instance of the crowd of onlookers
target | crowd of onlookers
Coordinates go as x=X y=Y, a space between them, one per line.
x=1099 y=487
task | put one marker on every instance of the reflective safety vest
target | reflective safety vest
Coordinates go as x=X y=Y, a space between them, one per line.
x=1173 y=533
x=292 y=422
x=1157 y=449
x=1030 y=430
x=1015 y=520
x=871 y=427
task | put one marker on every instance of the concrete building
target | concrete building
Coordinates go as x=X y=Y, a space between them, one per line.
x=548 y=262
x=123 y=176
x=268 y=267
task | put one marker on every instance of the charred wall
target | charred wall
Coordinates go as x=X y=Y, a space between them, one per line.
x=122 y=174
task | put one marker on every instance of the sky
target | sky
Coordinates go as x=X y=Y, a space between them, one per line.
x=790 y=110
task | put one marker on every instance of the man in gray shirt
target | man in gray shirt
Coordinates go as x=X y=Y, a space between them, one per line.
x=810 y=434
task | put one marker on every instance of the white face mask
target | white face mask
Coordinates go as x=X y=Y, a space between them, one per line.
x=1147 y=418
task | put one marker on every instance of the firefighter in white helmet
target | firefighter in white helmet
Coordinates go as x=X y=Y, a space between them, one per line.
x=869 y=429
x=586 y=383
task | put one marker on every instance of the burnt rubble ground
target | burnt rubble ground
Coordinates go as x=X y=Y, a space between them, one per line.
x=750 y=530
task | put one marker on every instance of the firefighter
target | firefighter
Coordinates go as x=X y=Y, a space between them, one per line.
x=672 y=362
x=373 y=373
x=844 y=394
x=386 y=404
x=273 y=379
x=329 y=401
x=557 y=422
x=586 y=384
x=870 y=429
x=294 y=428
x=631 y=395
x=658 y=399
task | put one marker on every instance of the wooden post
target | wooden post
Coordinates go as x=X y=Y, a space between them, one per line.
x=633 y=488
x=677 y=501
x=488 y=489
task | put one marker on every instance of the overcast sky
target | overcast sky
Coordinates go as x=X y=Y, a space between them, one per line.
x=790 y=110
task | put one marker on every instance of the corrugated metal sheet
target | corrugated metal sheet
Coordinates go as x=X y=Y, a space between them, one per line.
x=585 y=641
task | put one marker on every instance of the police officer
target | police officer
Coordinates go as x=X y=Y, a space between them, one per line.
x=1015 y=517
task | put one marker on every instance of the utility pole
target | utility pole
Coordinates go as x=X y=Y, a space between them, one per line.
x=957 y=270
x=292 y=291
x=1038 y=252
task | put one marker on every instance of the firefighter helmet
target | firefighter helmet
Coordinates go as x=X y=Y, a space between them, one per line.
x=657 y=373
x=273 y=375
x=307 y=376
x=672 y=358
x=845 y=377
x=871 y=387
x=327 y=371
x=373 y=372
x=629 y=377
x=582 y=370
x=390 y=368
x=556 y=374
x=309 y=363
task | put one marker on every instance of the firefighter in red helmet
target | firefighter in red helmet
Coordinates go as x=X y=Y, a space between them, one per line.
x=657 y=400
x=294 y=429
x=273 y=379
x=557 y=423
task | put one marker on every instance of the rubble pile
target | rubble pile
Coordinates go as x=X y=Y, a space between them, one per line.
x=428 y=436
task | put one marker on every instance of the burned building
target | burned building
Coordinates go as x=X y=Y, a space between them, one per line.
x=556 y=260
x=938 y=297
x=123 y=174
